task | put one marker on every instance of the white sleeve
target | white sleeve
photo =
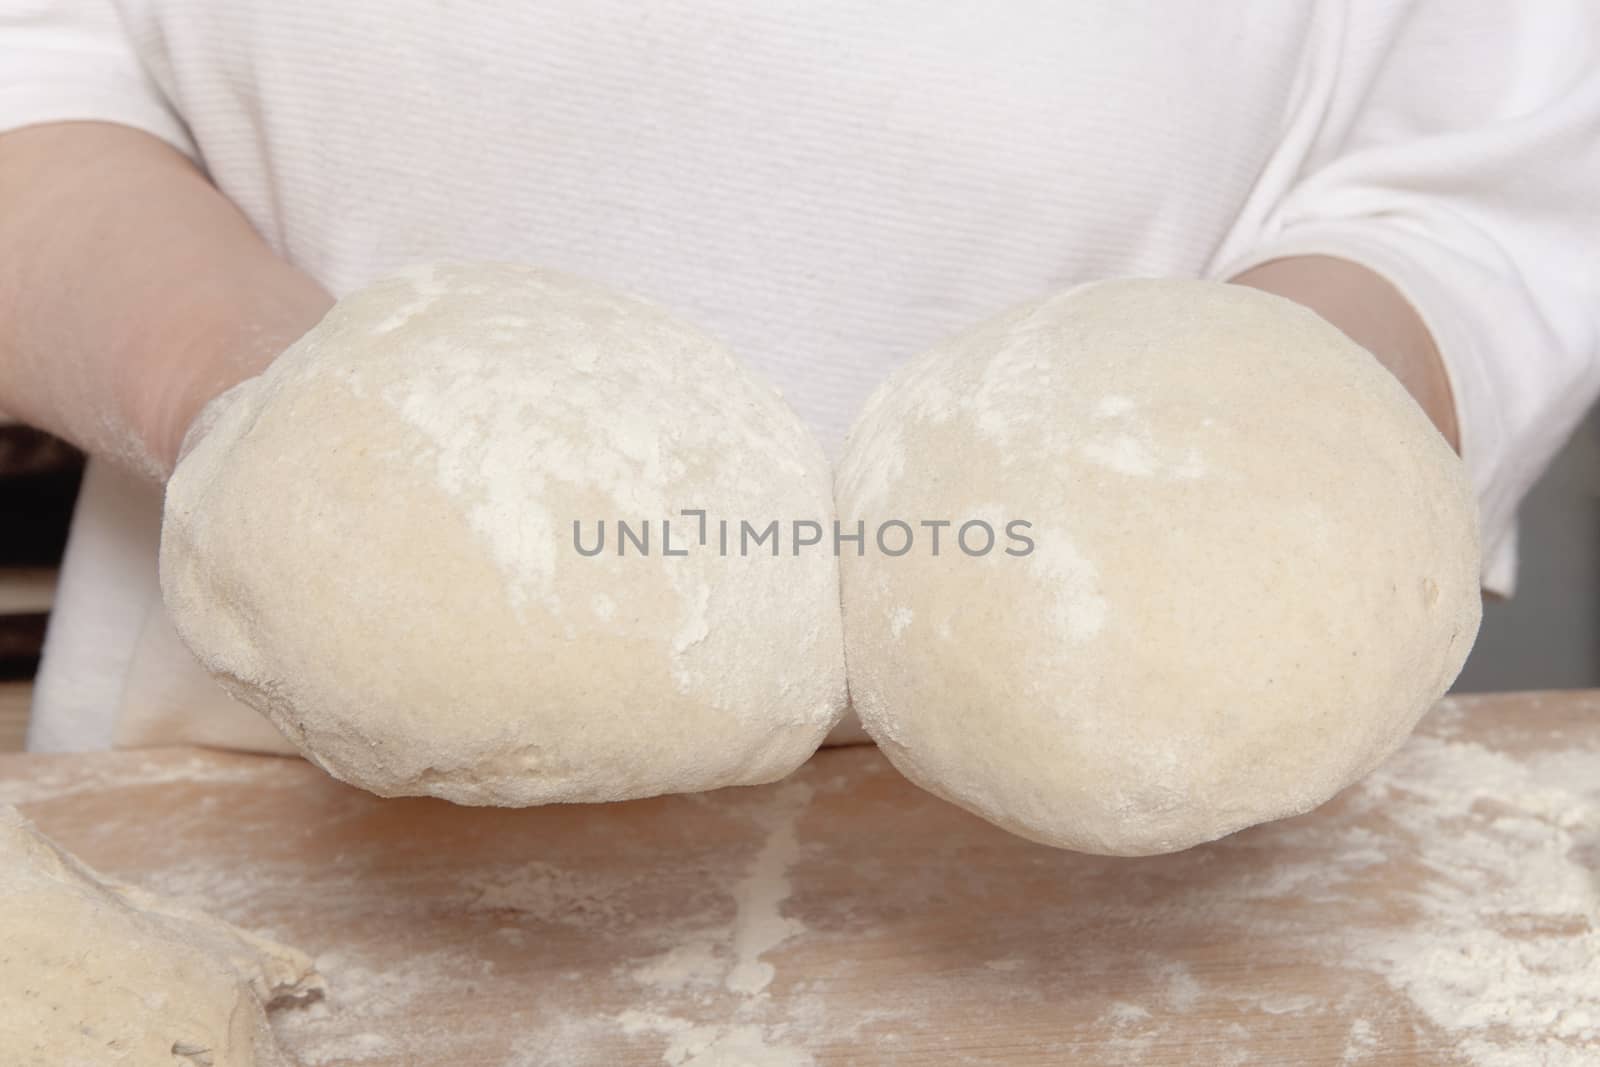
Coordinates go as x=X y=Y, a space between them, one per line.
x=1453 y=146
x=63 y=61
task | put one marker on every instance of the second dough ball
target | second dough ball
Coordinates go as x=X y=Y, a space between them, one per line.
x=1249 y=565
x=373 y=543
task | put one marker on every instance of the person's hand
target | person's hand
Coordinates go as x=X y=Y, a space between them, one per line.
x=1373 y=314
x=131 y=291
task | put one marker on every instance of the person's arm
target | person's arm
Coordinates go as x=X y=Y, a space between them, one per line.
x=1372 y=313
x=1423 y=151
x=131 y=291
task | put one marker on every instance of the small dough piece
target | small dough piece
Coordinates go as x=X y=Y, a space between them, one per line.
x=97 y=974
x=372 y=543
x=1255 y=566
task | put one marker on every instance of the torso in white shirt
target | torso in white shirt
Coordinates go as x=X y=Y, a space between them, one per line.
x=828 y=187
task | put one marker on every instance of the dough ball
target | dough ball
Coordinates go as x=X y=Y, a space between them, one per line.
x=1253 y=565
x=373 y=543
x=93 y=972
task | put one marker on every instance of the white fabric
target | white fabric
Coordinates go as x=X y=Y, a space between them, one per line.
x=834 y=186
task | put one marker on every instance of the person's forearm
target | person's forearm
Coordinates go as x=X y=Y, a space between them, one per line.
x=1375 y=315
x=131 y=291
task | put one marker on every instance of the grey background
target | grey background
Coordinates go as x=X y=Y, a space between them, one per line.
x=1548 y=635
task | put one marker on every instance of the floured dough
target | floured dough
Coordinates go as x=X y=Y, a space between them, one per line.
x=373 y=544
x=1255 y=565
x=96 y=974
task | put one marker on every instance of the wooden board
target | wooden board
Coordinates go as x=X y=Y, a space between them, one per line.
x=15 y=698
x=1446 y=910
x=26 y=590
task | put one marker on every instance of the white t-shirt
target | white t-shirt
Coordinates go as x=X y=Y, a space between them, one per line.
x=833 y=186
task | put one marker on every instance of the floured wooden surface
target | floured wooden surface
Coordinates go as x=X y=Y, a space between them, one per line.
x=1446 y=910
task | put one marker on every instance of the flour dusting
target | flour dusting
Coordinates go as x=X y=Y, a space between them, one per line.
x=1498 y=947
x=738 y=1045
x=1123 y=453
x=900 y=619
x=691 y=964
x=761 y=924
x=1112 y=406
x=1080 y=609
x=731 y=957
x=1505 y=945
